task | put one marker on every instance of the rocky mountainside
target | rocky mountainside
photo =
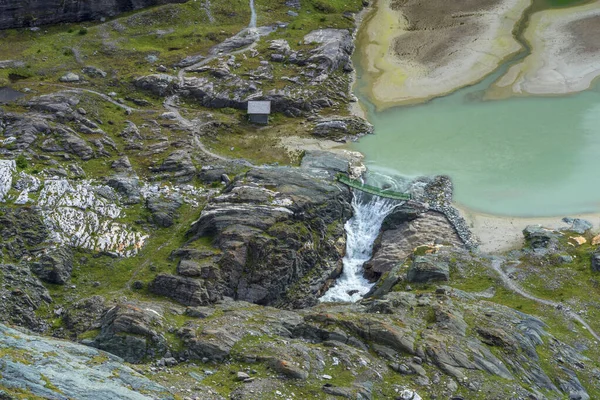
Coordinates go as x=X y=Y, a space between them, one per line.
x=18 y=14
x=171 y=249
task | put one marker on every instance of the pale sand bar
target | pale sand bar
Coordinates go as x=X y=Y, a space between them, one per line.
x=565 y=54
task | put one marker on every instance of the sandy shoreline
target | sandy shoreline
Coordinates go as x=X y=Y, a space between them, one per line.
x=565 y=54
x=499 y=234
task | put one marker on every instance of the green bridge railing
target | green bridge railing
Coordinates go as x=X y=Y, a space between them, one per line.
x=353 y=183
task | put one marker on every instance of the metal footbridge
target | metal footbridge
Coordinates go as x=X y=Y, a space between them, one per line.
x=375 y=191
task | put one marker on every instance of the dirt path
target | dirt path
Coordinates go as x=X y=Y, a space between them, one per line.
x=512 y=285
x=170 y=104
x=104 y=96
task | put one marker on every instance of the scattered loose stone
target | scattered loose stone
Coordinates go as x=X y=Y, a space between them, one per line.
x=242 y=376
x=70 y=77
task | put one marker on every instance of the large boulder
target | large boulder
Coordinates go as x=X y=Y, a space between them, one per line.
x=538 y=237
x=127 y=187
x=127 y=331
x=22 y=231
x=426 y=269
x=178 y=166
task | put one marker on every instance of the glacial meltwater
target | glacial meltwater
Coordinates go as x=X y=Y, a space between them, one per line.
x=527 y=156
x=361 y=231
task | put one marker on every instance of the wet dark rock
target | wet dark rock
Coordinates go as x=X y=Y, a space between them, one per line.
x=55 y=266
x=387 y=282
x=427 y=269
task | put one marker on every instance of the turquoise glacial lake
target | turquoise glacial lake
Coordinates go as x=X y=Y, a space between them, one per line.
x=525 y=157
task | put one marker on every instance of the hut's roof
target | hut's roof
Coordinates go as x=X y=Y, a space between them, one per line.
x=259 y=107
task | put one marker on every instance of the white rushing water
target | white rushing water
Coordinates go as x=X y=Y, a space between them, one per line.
x=253 y=15
x=361 y=232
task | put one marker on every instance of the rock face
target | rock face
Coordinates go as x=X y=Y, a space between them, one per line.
x=17 y=14
x=54 y=369
x=21 y=295
x=55 y=267
x=270 y=229
x=402 y=235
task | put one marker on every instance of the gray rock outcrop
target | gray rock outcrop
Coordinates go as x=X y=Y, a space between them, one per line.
x=54 y=369
x=272 y=229
x=402 y=235
x=55 y=266
x=126 y=331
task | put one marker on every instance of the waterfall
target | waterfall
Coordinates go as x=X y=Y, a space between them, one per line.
x=361 y=231
x=253 y=15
